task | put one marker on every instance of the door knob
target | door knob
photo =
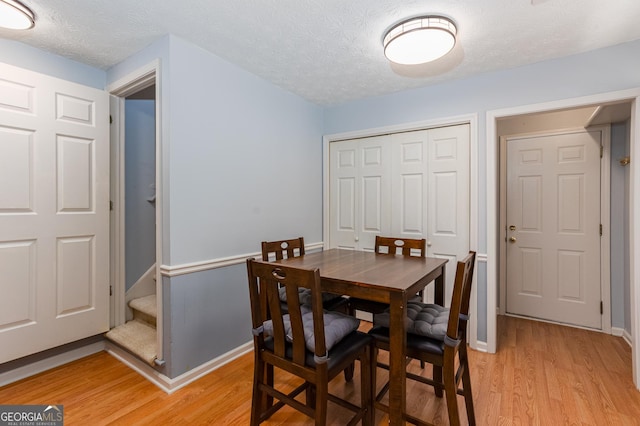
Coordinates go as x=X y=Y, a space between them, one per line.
x=512 y=239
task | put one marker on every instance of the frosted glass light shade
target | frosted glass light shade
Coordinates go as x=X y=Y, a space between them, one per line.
x=420 y=40
x=16 y=16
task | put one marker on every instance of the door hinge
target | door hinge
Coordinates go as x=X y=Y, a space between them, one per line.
x=601 y=151
x=110 y=119
x=601 y=230
x=110 y=290
x=111 y=207
x=601 y=308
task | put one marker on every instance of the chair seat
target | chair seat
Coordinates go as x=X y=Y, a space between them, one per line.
x=414 y=341
x=343 y=350
x=424 y=319
x=336 y=327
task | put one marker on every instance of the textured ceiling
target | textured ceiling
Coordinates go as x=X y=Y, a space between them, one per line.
x=329 y=51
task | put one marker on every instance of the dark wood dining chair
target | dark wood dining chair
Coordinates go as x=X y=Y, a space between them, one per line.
x=391 y=246
x=308 y=342
x=438 y=336
x=294 y=247
x=282 y=249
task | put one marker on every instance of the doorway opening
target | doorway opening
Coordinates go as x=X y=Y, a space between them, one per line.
x=584 y=177
x=136 y=324
x=629 y=97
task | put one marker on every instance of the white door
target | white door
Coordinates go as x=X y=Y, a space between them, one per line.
x=410 y=184
x=430 y=196
x=553 y=227
x=360 y=190
x=54 y=206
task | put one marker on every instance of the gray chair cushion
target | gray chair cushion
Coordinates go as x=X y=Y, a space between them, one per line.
x=302 y=294
x=336 y=327
x=423 y=319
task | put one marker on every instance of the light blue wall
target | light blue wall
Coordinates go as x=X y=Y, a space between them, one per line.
x=140 y=178
x=620 y=305
x=207 y=314
x=246 y=159
x=604 y=70
x=242 y=162
x=620 y=231
x=24 y=56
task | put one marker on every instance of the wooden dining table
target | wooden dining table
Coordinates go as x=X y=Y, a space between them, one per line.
x=381 y=278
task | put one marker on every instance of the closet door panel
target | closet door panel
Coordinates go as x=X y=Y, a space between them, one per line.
x=409 y=183
x=374 y=189
x=343 y=194
x=448 y=197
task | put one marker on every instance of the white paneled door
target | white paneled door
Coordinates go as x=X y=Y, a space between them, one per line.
x=54 y=206
x=410 y=185
x=360 y=190
x=553 y=227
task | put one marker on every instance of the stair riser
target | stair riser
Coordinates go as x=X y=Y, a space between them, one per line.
x=141 y=316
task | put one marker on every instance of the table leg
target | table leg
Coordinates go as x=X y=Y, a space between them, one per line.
x=439 y=299
x=397 y=365
x=439 y=290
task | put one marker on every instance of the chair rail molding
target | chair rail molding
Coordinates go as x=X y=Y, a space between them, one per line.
x=221 y=262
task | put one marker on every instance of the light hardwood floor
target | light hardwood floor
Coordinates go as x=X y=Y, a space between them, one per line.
x=543 y=374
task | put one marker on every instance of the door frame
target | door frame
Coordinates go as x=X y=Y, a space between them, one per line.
x=128 y=85
x=472 y=121
x=493 y=197
x=605 y=211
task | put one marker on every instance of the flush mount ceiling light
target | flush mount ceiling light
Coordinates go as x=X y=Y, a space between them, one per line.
x=419 y=40
x=15 y=15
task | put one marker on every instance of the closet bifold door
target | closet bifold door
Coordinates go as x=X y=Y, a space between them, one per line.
x=411 y=184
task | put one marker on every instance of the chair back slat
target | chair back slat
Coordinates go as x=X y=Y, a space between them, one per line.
x=282 y=249
x=406 y=246
x=461 y=294
x=274 y=312
x=264 y=280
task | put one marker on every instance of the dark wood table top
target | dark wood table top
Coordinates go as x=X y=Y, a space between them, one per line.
x=360 y=273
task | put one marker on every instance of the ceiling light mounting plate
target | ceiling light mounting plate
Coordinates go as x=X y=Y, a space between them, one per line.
x=419 y=40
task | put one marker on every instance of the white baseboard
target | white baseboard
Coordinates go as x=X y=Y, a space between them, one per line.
x=168 y=384
x=617 y=331
x=621 y=332
x=627 y=337
x=480 y=346
x=53 y=361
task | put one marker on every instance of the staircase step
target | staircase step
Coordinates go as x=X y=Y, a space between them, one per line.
x=137 y=337
x=147 y=305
